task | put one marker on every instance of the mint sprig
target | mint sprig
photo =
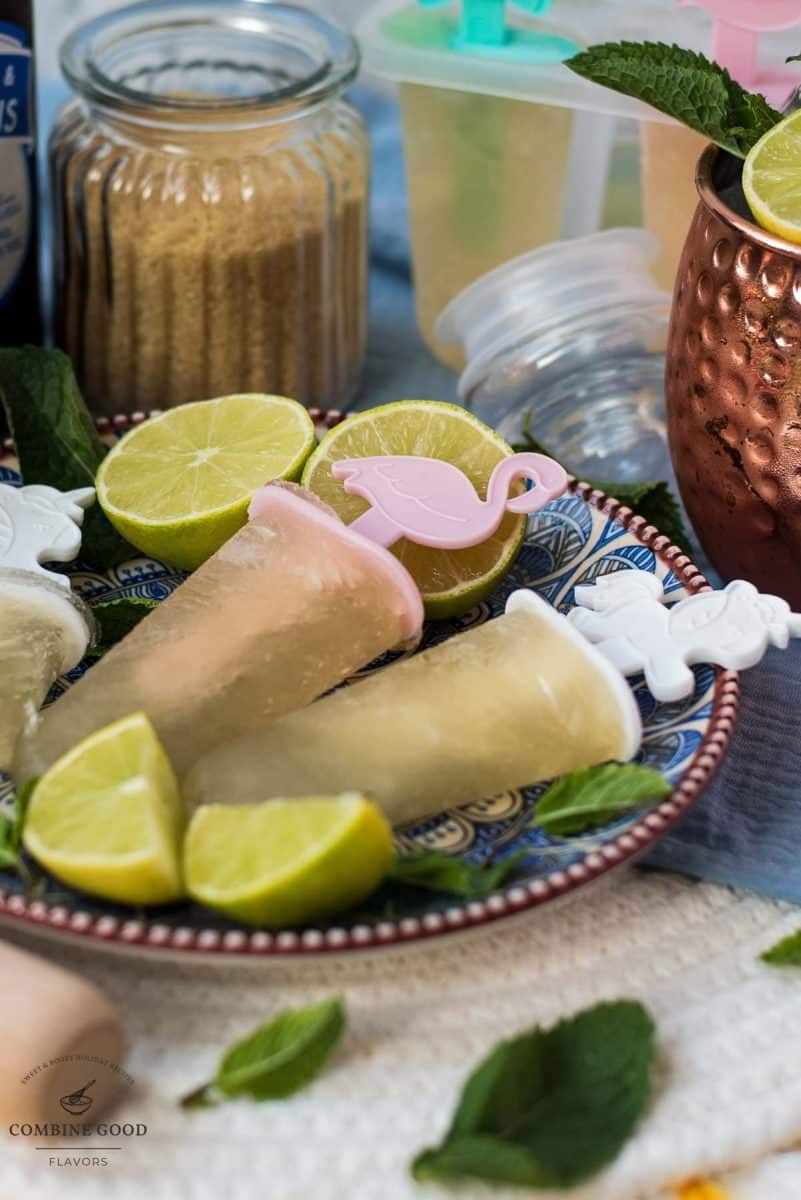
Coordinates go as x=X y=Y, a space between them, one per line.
x=277 y=1059
x=592 y=796
x=786 y=953
x=437 y=872
x=11 y=827
x=684 y=85
x=552 y=1107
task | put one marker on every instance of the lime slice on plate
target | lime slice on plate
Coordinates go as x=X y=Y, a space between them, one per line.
x=451 y=581
x=286 y=862
x=772 y=179
x=107 y=817
x=179 y=485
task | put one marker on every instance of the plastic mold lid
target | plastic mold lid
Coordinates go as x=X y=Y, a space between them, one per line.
x=517 y=50
x=481 y=28
x=441 y=45
x=549 y=287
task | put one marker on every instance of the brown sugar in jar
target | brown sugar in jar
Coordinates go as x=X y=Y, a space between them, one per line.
x=210 y=191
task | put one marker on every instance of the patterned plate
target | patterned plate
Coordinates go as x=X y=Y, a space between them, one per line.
x=574 y=540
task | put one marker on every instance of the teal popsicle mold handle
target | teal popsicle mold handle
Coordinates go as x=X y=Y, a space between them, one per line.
x=481 y=29
x=484 y=21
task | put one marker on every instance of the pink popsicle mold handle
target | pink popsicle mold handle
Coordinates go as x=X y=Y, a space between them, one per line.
x=433 y=503
x=738 y=24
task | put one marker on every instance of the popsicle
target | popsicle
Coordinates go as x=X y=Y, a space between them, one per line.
x=517 y=700
x=64 y=1049
x=44 y=629
x=289 y=607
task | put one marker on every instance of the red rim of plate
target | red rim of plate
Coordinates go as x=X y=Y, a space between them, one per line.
x=516 y=898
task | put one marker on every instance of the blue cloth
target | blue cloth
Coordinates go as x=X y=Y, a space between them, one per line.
x=746 y=828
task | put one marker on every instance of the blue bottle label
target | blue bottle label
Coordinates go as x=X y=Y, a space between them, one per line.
x=17 y=163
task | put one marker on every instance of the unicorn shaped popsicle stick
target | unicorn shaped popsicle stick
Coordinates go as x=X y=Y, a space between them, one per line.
x=433 y=503
x=40 y=524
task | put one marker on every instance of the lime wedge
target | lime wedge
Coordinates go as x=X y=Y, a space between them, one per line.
x=772 y=179
x=451 y=581
x=107 y=817
x=286 y=862
x=179 y=485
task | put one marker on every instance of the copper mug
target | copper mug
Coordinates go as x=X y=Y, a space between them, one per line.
x=733 y=381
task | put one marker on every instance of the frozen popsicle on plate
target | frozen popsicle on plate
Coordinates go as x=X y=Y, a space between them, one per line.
x=289 y=607
x=519 y=699
x=44 y=629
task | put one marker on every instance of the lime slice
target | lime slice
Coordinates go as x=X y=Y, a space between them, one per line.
x=772 y=179
x=179 y=485
x=107 y=817
x=286 y=862
x=451 y=581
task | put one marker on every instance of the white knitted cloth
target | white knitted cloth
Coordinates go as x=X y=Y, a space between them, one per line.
x=728 y=1085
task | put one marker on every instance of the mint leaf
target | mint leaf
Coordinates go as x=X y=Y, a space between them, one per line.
x=115 y=619
x=787 y=952
x=55 y=439
x=437 y=872
x=11 y=827
x=277 y=1059
x=654 y=501
x=552 y=1107
x=592 y=796
x=685 y=86
x=486 y=1158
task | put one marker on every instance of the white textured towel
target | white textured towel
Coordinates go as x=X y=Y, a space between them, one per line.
x=727 y=1090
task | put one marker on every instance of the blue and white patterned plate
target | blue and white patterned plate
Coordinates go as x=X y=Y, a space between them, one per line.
x=573 y=541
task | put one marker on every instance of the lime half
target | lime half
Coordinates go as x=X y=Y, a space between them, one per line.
x=179 y=485
x=107 y=817
x=451 y=581
x=286 y=862
x=772 y=179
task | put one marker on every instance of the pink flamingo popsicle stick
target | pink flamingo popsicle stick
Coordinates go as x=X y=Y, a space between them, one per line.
x=433 y=503
x=738 y=24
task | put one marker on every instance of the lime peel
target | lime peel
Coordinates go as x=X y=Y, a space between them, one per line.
x=115 y=786
x=286 y=862
x=179 y=485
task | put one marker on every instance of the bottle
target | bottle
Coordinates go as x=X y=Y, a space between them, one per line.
x=20 y=313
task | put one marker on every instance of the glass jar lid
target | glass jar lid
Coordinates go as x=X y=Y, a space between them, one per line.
x=549 y=289
x=166 y=58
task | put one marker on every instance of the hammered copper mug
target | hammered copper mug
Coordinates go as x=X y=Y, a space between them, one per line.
x=733 y=381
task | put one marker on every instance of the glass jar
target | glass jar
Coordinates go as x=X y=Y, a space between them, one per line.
x=210 y=193
x=568 y=343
